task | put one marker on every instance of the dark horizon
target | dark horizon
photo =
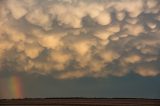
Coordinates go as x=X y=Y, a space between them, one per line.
x=82 y=101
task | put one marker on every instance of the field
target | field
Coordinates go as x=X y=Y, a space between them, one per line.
x=80 y=102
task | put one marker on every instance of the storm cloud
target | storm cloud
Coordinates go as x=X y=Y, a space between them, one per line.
x=80 y=38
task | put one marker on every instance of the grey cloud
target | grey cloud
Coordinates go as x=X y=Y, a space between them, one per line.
x=80 y=38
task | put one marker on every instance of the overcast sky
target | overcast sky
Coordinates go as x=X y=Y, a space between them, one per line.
x=79 y=48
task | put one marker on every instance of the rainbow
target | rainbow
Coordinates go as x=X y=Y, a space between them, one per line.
x=15 y=87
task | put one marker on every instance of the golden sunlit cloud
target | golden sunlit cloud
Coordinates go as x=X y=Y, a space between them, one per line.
x=91 y=38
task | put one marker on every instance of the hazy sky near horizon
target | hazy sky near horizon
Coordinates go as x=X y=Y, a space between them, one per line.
x=81 y=48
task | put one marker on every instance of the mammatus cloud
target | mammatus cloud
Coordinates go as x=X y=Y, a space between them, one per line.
x=80 y=38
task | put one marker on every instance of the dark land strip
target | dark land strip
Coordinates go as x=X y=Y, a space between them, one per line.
x=80 y=102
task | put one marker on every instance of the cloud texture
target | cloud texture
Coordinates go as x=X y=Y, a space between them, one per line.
x=80 y=38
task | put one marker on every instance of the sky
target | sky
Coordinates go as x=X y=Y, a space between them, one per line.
x=79 y=48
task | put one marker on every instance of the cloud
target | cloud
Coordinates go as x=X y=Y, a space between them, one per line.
x=40 y=18
x=82 y=47
x=137 y=29
x=132 y=59
x=103 y=18
x=147 y=71
x=106 y=33
x=32 y=51
x=134 y=10
x=80 y=38
x=16 y=8
x=120 y=15
x=109 y=56
x=50 y=42
x=72 y=74
x=60 y=59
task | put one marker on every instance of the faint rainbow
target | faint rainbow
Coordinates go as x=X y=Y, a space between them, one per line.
x=15 y=87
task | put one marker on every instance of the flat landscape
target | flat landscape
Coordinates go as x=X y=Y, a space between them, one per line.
x=80 y=102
